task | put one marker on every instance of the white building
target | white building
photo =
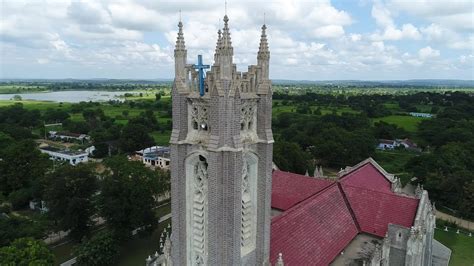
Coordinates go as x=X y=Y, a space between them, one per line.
x=386 y=144
x=156 y=156
x=72 y=157
x=426 y=115
x=68 y=136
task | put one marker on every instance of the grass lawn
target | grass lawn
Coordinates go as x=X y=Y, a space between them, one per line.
x=409 y=123
x=161 y=139
x=461 y=245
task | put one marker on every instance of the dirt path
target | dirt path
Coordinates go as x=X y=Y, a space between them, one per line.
x=460 y=222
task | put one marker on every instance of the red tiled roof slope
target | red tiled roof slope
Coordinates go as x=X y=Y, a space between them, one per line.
x=374 y=210
x=315 y=231
x=367 y=176
x=289 y=189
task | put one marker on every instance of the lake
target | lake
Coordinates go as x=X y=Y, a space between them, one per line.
x=69 y=96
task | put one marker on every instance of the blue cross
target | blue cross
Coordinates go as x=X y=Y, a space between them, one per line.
x=201 y=68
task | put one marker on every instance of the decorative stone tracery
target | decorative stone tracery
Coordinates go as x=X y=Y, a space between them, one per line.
x=198 y=211
x=248 y=211
x=247 y=115
x=199 y=116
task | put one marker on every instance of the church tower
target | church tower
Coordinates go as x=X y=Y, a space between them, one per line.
x=221 y=158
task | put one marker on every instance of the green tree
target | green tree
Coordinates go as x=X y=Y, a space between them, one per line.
x=134 y=137
x=101 y=249
x=69 y=192
x=14 y=227
x=289 y=156
x=127 y=195
x=33 y=164
x=26 y=251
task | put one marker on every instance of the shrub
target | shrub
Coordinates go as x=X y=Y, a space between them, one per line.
x=19 y=198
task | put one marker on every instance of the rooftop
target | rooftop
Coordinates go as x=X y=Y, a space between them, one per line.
x=323 y=217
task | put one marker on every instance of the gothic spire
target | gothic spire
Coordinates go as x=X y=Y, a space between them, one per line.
x=219 y=40
x=226 y=42
x=263 y=51
x=180 y=40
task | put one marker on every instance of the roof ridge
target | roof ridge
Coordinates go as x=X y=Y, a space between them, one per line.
x=349 y=207
x=301 y=203
x=383 y=192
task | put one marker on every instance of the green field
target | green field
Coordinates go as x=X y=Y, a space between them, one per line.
x=409 y=123
x=461 y=245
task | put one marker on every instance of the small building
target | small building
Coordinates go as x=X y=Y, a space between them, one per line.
x=386 y=144
x=156 y=156
x=408 y=144
x=69 y=136
x=425 y=115
x=72 y=157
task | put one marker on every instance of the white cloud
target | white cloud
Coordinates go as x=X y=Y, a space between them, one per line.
x=428 y=52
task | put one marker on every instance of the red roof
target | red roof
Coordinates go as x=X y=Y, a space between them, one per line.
x=375 y=210
x=367 y=176
x=316 y=230
x=313 y=232
x=288 y=189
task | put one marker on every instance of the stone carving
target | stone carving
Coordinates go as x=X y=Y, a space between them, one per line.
x=247 y=208
x=198 y=221
x=247 y=115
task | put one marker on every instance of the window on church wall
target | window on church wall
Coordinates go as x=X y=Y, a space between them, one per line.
x=199 y=117
x=196 y=206
x=248 y=116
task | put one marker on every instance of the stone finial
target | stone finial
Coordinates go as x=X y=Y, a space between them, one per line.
x=316 y=172
x=321 y=172
x=280 y=260
x=457 y=231
x=418 y=191
x=148 y=260
x=445 y=228
x=226 y=42
x=180 y=46
x=263 y=51
x=306 y=174
x=218 y=45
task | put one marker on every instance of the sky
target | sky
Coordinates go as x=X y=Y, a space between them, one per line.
x=309 y=40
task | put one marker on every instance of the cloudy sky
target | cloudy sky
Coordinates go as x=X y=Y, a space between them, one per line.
x=313 y=40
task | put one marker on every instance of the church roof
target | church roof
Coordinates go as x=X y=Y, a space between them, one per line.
x=288 y=189
x=367 y=176
x=374 y=210
x=314 y=230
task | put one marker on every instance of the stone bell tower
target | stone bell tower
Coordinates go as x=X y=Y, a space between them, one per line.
x=221 y=158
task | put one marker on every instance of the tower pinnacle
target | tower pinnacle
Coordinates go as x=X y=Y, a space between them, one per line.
x=263 y=51
x=226 y=41
x=219 y=40
x=180 y=46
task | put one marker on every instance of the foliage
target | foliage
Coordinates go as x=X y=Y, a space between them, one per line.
x=290 y=157
x=26 y=251
x=101 y=249
x=20 y=198
x=135 y=137
x=69 y=192
x=14 y=227
x=127 y=195
x=21 y=153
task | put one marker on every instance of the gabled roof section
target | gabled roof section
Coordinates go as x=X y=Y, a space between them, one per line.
x=289 y=189
x=315 y=231
x=374 y=210
x=368 y=174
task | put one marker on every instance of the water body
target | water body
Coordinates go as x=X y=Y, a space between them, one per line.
x=70 y=96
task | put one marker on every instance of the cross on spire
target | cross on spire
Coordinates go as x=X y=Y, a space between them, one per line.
x=201 y=68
